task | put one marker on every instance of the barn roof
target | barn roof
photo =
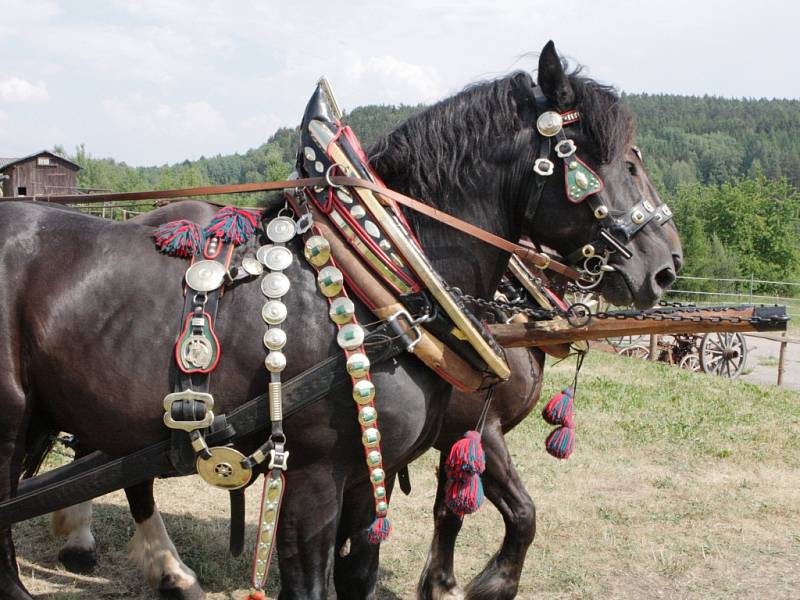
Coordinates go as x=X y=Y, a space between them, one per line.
x=7 y=162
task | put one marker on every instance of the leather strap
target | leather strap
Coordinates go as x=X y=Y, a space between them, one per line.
x=530 y=257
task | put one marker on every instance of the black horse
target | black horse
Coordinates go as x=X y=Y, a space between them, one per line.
x=87 y=339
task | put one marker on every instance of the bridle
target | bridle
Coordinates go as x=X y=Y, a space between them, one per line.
x=582 y=184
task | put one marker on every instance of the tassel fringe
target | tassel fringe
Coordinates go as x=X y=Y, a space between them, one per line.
x=561 y=442
x=464 y=496
x=233 y=225
x=380 y=529
x=559 y=410
x=257 y=595
x=466 y=457
x=179 y=238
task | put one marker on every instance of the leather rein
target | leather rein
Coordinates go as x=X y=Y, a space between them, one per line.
x=529 y=256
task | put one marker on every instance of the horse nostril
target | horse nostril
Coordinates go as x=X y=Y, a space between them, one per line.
x=677 y=260
x=665 y=278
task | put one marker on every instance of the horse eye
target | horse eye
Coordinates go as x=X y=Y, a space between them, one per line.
x=631 y=168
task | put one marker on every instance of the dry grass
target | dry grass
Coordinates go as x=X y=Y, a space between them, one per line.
x=681 y=486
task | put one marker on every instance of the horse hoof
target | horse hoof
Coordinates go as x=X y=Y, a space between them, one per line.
x=170 y=587
x=78 y=560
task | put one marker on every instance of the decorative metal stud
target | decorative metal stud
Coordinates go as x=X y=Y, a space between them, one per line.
x=372 y=229
x=317 y=250
x=358 y=211
x=666 y=210
x=384 y=245
x=543 y=167
x=549 y=123
x=330 y=281
x=275 y=362
x=377 y=476
x=275 y=285
x=344 y=196
x=588 y=251
x=357 y=365
x=371 y=437
x=380 y=492
x=363 y=392
x=350 y=337
x=573 y=165
x=275 y=338
x=319 y=167
x=274 y=312
x=309 y=153
x=374 y=458
x=342 y=310
x=637 y=217
x=648 y=206
x=367 y=415
x=565 y=148
x=601 y=212
x=581 y=180
x=281 y=229
x=381 y=508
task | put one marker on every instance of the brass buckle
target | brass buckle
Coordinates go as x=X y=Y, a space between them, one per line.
x=412 y=324
x=206 y=399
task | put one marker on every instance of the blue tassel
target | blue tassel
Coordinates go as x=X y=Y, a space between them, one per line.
x=561 y=442
x=464 y=496
x=466 y=457
x=233 y=225
x=559 y=410
x=179 y=238
x=380 y=529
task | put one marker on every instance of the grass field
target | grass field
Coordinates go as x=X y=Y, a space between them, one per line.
x=681 y=486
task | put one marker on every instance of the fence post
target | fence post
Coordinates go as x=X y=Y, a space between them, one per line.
x=751 y=289
x=653 y=346
x=781 y=360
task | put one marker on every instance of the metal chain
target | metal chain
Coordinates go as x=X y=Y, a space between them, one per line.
x=665 y=311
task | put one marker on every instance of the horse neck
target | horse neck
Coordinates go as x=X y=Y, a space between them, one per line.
x=494 y=202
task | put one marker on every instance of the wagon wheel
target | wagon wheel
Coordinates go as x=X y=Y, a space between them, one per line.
x=723 y=354
x=690 y=362
x=635 y=351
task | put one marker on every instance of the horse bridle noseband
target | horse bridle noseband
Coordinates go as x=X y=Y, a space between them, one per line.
x=581 y=183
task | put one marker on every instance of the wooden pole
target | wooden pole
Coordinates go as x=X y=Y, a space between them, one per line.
x=653 y=347
x=781 y=361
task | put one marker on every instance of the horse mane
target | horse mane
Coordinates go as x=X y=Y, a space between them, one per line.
x=446 y=145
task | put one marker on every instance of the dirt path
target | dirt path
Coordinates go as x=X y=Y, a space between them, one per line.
x=762 y=363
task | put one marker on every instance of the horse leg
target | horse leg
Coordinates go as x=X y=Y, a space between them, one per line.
x=438 y=582
x=502 y=485
x=307 y=532
x=13 y=421
x=153 y=551
x=75 y=523
x=355 y=566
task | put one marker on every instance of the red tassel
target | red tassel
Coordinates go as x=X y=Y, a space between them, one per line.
x=560 y=442
x=257 y=595
x=233 y=225
x=380 y=529
x=466 y=457
x=559 y=410
x=464 y=496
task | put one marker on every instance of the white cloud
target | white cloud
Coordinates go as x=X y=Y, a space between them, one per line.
x=14 y=89
x=187 y=130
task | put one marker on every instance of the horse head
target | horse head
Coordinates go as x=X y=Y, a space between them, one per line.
x=620 y=234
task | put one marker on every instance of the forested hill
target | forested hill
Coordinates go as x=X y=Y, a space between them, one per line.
x=729 y=168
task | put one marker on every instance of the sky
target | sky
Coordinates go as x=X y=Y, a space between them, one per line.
x=159 y=81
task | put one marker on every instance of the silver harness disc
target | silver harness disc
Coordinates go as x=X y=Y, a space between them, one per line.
x=275 y=285
x=274 y=312
x=205 y=275
x=251 y=266
x=277 y=258
x=281 y=230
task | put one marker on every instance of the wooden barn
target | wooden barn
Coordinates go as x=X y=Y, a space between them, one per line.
x=38 y=174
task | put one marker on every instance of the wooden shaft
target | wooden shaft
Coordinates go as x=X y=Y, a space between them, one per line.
x=653 y=347
x=557 y=331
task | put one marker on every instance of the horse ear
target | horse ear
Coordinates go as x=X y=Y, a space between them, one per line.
x=552 y=78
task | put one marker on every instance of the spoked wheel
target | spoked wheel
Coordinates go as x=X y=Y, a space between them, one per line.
x=723 y=354
x=635 y=351
x=690 y=362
